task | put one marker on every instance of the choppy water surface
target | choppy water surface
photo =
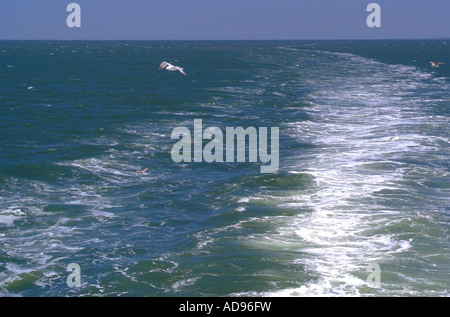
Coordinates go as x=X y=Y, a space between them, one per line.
x=363 y=177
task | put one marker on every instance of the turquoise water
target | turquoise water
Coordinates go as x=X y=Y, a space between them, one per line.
x=363 y=176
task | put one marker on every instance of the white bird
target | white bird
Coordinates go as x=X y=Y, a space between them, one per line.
x=433 y=64
x=170 y=67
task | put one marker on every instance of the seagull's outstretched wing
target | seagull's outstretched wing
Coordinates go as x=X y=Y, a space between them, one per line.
x=163 y=65
x=181 y=70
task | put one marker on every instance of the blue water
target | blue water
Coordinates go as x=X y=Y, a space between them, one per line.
x=363 y=176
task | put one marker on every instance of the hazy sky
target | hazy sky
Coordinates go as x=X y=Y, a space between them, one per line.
x=224 y=19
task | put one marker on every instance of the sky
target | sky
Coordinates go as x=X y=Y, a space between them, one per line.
x=223 y=19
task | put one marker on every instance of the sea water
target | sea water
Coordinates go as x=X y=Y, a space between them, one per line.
x=363 y=177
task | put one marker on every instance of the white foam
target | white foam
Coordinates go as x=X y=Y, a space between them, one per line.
x=7 y=220
x=345 y=227
x=10 y=214
x=179 y=284
x=103 y=214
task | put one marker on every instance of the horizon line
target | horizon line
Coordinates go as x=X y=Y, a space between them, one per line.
x=236 y=40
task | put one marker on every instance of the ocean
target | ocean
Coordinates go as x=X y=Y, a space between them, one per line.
x=359 y=204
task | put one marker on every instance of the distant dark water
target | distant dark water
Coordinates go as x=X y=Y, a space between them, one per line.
x=363 y=177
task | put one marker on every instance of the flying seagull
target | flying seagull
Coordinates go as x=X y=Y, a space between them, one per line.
x=144 y=170
x=170 y=67
x=433 y=64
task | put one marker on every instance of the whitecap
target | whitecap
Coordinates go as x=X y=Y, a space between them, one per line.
x=7 y=220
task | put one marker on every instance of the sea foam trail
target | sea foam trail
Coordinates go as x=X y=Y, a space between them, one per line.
x=366 y=124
